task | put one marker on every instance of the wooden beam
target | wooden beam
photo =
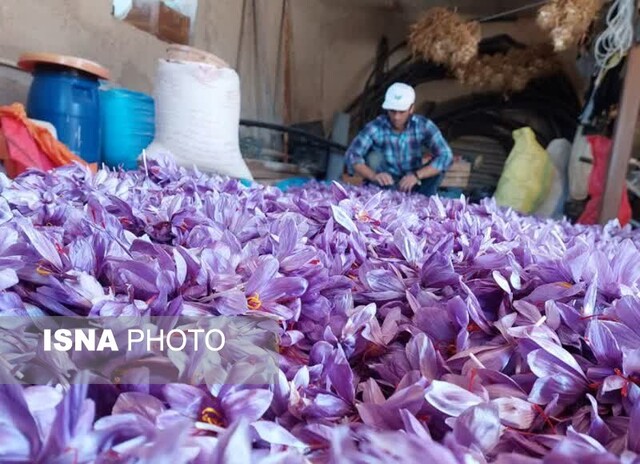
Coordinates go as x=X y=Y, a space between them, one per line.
x=622 y=138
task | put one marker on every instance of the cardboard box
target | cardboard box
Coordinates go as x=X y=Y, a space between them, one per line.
x=173 y=27
x=156 y=18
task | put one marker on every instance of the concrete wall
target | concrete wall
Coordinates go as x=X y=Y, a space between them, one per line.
x=333 y=46
x=86 y=28
x=80 y=28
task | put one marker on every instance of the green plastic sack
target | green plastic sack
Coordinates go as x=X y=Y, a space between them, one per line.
x=526 y=178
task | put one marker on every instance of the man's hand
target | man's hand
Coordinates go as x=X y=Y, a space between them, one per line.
x=408 y=182
x=383 y=179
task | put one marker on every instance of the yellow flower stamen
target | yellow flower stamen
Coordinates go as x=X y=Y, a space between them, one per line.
x=211 y=416
x=42 y=271
x=253 y=302
x=363 y=216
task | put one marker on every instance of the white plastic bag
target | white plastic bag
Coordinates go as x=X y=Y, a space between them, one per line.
x=198 y=117
x=579 y=171
x=559 y=151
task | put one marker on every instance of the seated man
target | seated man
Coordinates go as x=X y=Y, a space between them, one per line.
x=389 y=151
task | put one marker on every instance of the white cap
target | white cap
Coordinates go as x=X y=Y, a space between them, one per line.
x=399 y=97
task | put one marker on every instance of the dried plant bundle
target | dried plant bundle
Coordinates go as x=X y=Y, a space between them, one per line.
x=508 y=72
x=567 y=21
x=443 y=37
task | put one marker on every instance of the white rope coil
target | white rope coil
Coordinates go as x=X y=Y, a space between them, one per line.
x=617 y=38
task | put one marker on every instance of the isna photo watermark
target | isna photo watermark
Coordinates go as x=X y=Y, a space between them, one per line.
x=94 y=340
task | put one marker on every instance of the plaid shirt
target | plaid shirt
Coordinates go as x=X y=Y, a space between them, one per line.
x=402 y=152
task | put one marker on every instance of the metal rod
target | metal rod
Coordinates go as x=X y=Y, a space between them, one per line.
x=294 y=131
x=241 y=35
x=276 y=90
x=622 y=138
x=511 y=12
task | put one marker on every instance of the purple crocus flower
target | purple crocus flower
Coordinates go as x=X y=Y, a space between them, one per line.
x=228 y=405
x=270 y=294
x=42 y=423
x=382 y=413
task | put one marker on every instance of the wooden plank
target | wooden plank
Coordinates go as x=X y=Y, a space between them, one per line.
x=278 y=155
x=273 y=166
x=460 y=183
x=460 y=167
x=622 y=138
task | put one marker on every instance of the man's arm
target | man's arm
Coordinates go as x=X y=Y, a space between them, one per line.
x=441 y=156
x=358 y=149
x=355 y=157
x=440 y=150
x=364 y=171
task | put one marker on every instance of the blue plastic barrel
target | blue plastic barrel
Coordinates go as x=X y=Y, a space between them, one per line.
x=128 y=126
x=292 y=182
x=69 y=100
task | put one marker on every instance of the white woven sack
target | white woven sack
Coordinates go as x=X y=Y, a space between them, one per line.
x=198 y=117
x=580 y=171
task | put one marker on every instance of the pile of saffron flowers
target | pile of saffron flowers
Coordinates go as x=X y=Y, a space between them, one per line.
x=411 y=329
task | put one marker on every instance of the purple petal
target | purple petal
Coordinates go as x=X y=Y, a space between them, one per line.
x=384 y=285
x=422 y=356
x=8 y=278
x=288 y=238
x=262 y=276
x=438 y=272
x=42 y=402
x=371 y=392
x=633 y=437
x=598 y=429
x=326 y=406
x=74 y=420
x=340 y=374
x=231 y=303
x=250 y=404
x=450 y=399
x=342 y=218
x=275 y=434
x=22 y=439
x=563 y=360
x=545 y=389
x=185 y=399
x=295 y=261
x=552 y=292
x=478 y=427
x=141 y=404
x=387 y=414
x=603 y=344
x=627 y=310
x=407 y=244
x=284 y=288
x=413 y=426
x=41 y=243
x=499 y=385
x=515 y=412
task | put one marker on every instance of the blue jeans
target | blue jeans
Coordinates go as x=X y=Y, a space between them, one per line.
x=428 y=186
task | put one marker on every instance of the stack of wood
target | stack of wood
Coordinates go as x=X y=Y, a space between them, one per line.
x=458 y=175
